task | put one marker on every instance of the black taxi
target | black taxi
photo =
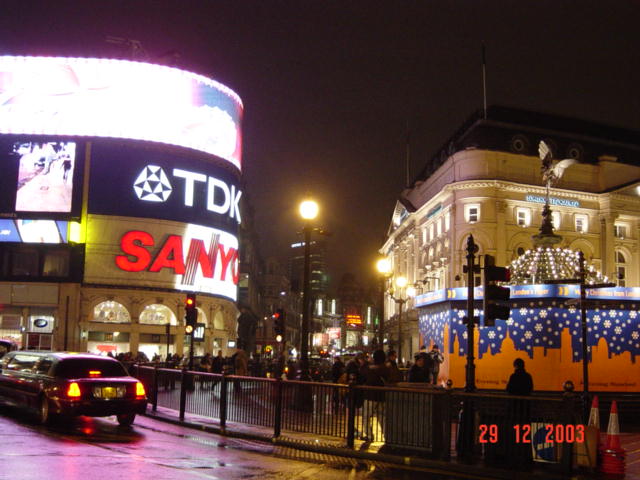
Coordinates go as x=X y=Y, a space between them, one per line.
x=70 y=384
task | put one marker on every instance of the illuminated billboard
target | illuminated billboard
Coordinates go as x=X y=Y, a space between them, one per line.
x=119 y=99
x=161 y=254
x=148 y=182
x=39 y=176
x=33 y=231
x=45 y=176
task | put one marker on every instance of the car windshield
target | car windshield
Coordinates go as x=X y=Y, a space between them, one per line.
x=81 y=368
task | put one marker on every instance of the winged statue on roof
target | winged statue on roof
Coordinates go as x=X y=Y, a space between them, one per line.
x=552 y=170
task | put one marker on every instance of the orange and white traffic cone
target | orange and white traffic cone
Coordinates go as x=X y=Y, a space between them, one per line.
x=613 y=454
x=594 y=414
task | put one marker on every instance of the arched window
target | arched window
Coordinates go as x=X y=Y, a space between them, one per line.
x=110 y=312
x=218 y=321
x=621 y=268
x=202 y=317
x=157 y=314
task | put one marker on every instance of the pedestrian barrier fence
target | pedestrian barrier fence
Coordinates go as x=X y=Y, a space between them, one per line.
x=496 y=428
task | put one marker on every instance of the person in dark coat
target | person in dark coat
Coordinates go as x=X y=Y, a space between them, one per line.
x=518 y=413
x=520 y=382
x=337 y=369
x=377 y=375
x=392 y=365
x=436 y=358
x=417 y=373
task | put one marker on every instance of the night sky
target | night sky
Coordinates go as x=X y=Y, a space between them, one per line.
x=329 y=87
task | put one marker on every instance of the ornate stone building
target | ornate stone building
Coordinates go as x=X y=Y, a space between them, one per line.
x=486 y=181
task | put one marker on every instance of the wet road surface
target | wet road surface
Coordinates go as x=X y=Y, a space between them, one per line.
x=97 y=449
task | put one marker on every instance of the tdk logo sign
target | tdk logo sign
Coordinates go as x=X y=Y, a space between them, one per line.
x=153 y=185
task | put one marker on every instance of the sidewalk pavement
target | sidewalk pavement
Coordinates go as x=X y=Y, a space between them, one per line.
x=374 y=451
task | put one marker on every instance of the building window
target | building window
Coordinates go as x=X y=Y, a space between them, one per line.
x=555 y=220
x=520 y=251
x=523 y=216
x=447 y=222
x=581 y=223
x=620 y=230
x=24 y=262
x=621 y=268
x=157 y=314
x=110 y=312
x=472 y=213
x=439 y=227
x=431 y=236
x=56 y=264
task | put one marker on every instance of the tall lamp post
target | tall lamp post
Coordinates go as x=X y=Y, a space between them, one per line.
x=384 y=269
x=308 y=211
x=400 y=299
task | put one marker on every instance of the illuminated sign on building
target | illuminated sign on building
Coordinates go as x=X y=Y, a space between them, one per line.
x=33 y=231
x=149 y=253
x=198 y=266
x=562 y=202
x=38 y=177
x=119 y=99
x=353 y=319
x=155 y=183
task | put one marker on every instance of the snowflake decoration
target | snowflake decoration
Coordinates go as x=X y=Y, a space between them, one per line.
x=635 y=335
x=618 y=330
x=607 y=324
x=538 y=327
x=633 y=314
x=528 y=335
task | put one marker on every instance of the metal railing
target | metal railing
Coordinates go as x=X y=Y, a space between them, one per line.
x=494 y=428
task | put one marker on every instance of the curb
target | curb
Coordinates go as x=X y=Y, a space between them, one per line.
x=438 y=466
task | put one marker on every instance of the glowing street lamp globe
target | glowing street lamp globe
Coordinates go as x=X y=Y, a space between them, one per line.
x=383 y=265
x=309 y=209
x=401 y=282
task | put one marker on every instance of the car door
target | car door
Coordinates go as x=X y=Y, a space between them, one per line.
x=5 y=380
x=19 y=376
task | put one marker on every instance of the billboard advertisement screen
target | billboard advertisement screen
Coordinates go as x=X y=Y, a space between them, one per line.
x=40 y=176
x=119 y=99
x=148 y=182
x=33 y=231
x=161 y=254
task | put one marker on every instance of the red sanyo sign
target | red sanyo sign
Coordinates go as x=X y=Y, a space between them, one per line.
x=200 y=260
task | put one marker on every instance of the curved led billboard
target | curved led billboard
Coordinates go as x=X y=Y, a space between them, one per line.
x=121 y=99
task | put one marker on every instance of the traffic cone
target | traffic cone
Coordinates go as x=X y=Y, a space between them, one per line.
x=594 y=414
x=613 y=456
x=613 y=429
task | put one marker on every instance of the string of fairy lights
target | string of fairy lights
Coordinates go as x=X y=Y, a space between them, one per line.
x=545 y=263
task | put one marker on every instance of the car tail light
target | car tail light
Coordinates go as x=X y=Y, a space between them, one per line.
x=74 y=390
x=94 y=373
x=140 y=390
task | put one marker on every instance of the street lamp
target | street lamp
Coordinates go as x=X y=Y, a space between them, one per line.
x=384 y=269
x=308 y=211
x=409 y=291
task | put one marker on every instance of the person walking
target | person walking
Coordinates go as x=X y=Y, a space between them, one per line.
x=395 y=375
x=520 y=382
x=377 y=375
x=240 y=368
x=417 y=372
x=435 y=359
x=518 y=413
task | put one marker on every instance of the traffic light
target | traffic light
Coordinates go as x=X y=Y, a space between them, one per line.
x=278 y=324
x=495 y=295
x=190 y=313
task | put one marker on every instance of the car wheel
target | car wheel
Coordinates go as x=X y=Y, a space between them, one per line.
x=44 y=413
x=126 y=419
